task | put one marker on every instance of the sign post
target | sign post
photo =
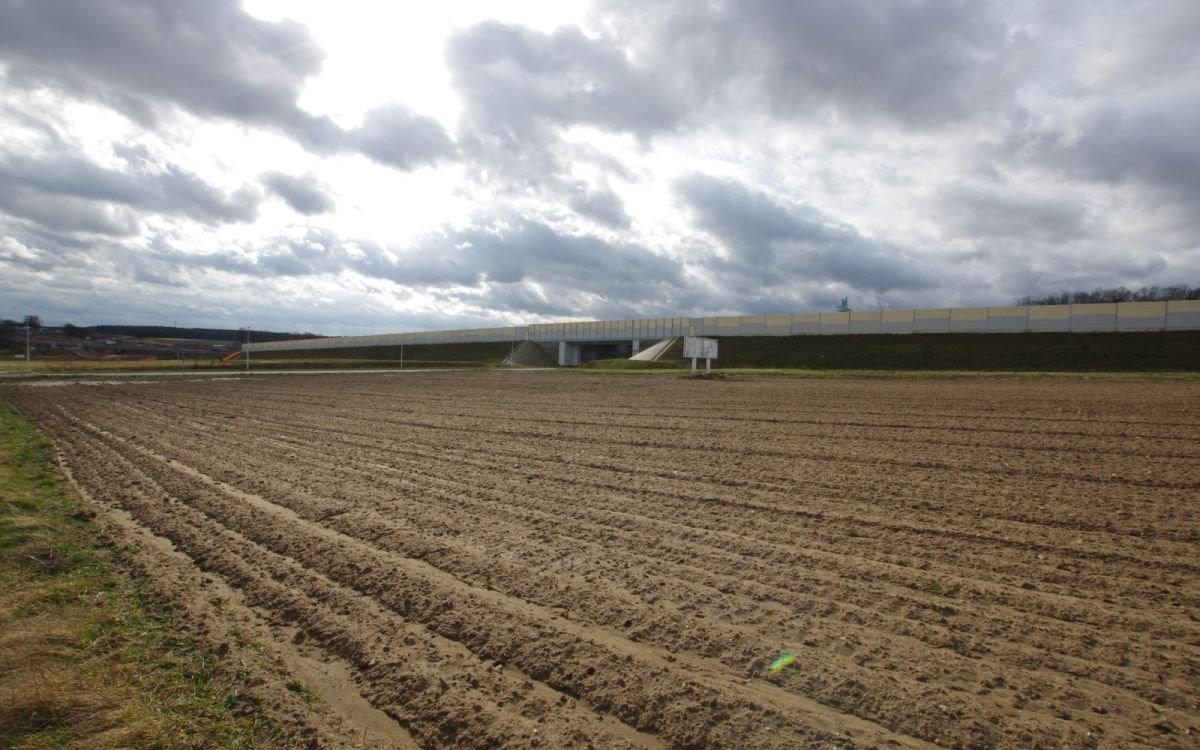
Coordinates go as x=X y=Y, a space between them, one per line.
x=695 y=347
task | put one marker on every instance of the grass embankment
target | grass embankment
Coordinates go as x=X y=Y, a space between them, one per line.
x=83 y=661
x=420 y=355
x=1148 y=352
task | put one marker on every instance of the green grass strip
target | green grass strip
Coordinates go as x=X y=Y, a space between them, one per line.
x=85 y=661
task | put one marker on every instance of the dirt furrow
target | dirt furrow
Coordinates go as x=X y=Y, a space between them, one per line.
x=939 y=607
x=566 y=653
x=1011 y=681
x=965 y=562
x=430 y=684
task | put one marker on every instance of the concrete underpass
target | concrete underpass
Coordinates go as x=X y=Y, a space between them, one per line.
x=571 y=353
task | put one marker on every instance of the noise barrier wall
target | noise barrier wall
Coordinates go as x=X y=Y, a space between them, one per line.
x=1178 y=315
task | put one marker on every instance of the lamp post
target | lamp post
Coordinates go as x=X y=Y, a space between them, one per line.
x=28 y=360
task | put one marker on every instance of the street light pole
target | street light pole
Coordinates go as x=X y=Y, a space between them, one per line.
x=28 y=361
x=247 y=348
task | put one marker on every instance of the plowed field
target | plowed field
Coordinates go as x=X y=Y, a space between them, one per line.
x=515 y=559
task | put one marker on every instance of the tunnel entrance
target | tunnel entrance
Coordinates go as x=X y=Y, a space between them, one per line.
x=593 y=352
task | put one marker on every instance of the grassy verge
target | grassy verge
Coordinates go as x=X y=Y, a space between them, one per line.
x=84 y=663
x=1151 y=351
x=779 y=372
x=878 y=355
x=415 y=355
x=335 y=363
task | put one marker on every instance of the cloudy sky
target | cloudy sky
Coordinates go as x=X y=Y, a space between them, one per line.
x=357 y=167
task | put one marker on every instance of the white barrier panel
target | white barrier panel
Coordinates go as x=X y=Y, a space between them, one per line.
x=1008 y=319
x=833 y=323
x=866 y=322
x=1093 y=317
x=931 y=320
x=1183 y=315
x=806 y=323
x=896 y=321
x=777 y=325
x=1050 y=318
x=1145 y=316
x=753 y=325
x=968 y=320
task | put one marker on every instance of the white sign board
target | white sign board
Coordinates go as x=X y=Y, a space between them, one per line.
x=699 y=348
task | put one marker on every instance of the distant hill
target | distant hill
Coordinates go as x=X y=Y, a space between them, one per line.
x=206 y=334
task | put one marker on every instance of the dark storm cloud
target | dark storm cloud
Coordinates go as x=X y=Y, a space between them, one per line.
x=513 y=79
x=601 y=205
x=522 y=89
x=770 y=243
x=513 y=258
x=1149 y=140
x=983 y=213
x=521 y=300
x=918 y=62
x=87 y=194
x=210 y=58
x=305 y=194
x=522 y=250
x=67 y=213
x=398 y=137
x=319 y=252
x=536 y=251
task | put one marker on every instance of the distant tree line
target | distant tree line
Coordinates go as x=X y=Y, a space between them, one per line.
x=1119 y=294
x=12 y=333
x=206 y=334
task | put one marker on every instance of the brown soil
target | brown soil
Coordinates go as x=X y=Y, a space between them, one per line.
x=515 y=559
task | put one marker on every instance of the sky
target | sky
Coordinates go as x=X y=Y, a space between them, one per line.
x=359 y=167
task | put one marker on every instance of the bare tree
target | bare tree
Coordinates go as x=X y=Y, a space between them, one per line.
x=1117 y=294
